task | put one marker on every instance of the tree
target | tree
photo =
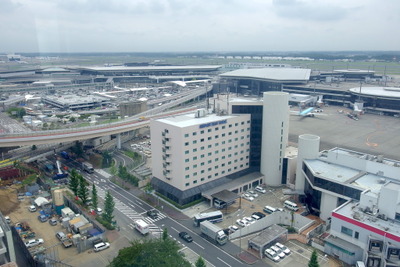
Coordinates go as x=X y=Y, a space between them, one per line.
x=74 y=181
x=107 y=159
x=77 y=149
x=109 y=205
x=34 y=147
x=165 y=234
x=113 y=170
x=200 y=262
x=83 y=192
x=313 y=260
x=95 y=201
x=150 y=252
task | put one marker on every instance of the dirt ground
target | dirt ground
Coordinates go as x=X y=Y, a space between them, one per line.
x=8 y=199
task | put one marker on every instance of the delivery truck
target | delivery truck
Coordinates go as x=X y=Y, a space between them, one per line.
x=213 y=233
x=142 y=227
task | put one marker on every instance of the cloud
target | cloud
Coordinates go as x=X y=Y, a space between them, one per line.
x=314 y=11
x=8 y=6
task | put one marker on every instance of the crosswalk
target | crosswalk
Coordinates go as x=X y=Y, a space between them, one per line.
x=127 y=210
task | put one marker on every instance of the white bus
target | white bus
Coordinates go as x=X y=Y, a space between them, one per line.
x=214 y=217
x=291 y=205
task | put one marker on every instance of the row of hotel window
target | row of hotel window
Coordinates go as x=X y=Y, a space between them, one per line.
x=215 y=167
x=215 y=174
x=216 y=152
x=209 y=130
x=216 y=137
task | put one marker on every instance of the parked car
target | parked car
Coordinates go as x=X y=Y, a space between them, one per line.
x=233 y=228
x=53 y=222
x=248 y=197
x=260 y=189
x=252 y=193
x=249 y=220
x=278 y=251
x=283 y=248
x=185 y=236
x=259 y=214
x=101 y=246
x=240 y=223
x=255 y=217
x=34 y=242
x=42 y=218
x=32 y=208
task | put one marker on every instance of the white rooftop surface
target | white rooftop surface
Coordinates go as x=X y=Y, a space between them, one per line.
x=389 y=226
x=271 y=73
x=190 y=120
x=355 y=71
x=378 y=91
x=71 y=99
x=116 y=68
x=331 y=171
x=370 y=181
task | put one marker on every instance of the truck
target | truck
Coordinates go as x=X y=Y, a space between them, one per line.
x=213 y=233
x=142 y=227
x=87 y=167
x=65 y=240
x=60 y=173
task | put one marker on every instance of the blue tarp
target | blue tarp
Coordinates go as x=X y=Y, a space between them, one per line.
x=93 y=232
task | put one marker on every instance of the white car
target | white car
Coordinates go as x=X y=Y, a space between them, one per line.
x=249 y=220
x=283 y=248
x=33 y=242
x=260 y=189
x=233 y=228
x=253 y=194
x=271 y=255
x=240 y=223
x=278 y=251
x=255 y=217
x=248 y=197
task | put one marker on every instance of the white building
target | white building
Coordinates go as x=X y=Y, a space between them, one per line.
x=191 y=153
x=368 y=230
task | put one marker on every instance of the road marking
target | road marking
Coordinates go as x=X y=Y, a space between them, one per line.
x=223 y=261
x=174 y=229
x=198 y=245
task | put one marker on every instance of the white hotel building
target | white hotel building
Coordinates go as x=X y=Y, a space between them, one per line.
x=191 y=153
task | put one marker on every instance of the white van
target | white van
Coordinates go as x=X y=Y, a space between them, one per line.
x=360 y=264
x=269 y=209
x=271 y=255
x=101 y=246
x=291 y=205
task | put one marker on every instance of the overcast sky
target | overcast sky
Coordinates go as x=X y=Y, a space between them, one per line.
x=198 y=25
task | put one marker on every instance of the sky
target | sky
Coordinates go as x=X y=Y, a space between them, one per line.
x=198 y=25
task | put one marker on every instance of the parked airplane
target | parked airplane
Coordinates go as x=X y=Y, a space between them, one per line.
x=308 y=112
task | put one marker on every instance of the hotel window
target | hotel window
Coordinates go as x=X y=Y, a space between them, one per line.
x=230 y=133
x=223 y=142
x=209 y=153
x=209 y=146
x=230 y=125
x=223 y=157
x=202 y=171
x=194 y=133
x=215 y=167
x=186 y=160
x=346 y=231
x=187 y=184
x=202 y=164
x=236 y=131
x=248 y=122
x=187 y=152
x=186 y=135
x=186 y=143
x=216 y=128
x=186 y=168
x=223 y=135
x=209 y=177
x=209 y=162
x=209 y=130
x=195 y=174
x=194 y=141
x=202 y=156
x=209 y=169
x=194 y=158
x=223 y=127
x=202 y=148
x=242 y=123
x=187 y=176
x=202 y=140
x=356 y=234
x=216 y=174
x=216 y=136
x=195 y=166
x=194 y=149
x=202 y=131
x=202 y=179
x=216 y=144
x=236 y=124
x=195 y=181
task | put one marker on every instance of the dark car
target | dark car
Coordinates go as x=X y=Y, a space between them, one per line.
x=185 y=236
x=152 y=214
x=259 y=214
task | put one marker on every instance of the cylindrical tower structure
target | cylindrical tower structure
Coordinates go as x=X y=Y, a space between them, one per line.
x=58 y=200
x=275 y=127
x=308 y=149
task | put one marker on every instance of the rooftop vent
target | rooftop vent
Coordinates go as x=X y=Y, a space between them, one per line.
x=381 y=180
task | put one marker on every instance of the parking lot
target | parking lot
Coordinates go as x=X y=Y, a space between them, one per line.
x=300 y=253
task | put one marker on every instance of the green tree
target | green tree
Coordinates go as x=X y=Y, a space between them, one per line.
x=83 y=192
x=313 y=260
x=78 y=149
x=74 y=181
x=113 y=170
x=107 y=159
x=148 y=188
x=165 y=234
x=150 y=252
x=34 y=147
x=95 y=200
x=200 y=262
x=109 y=205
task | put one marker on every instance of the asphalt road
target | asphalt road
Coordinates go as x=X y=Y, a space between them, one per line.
x=128 y=207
